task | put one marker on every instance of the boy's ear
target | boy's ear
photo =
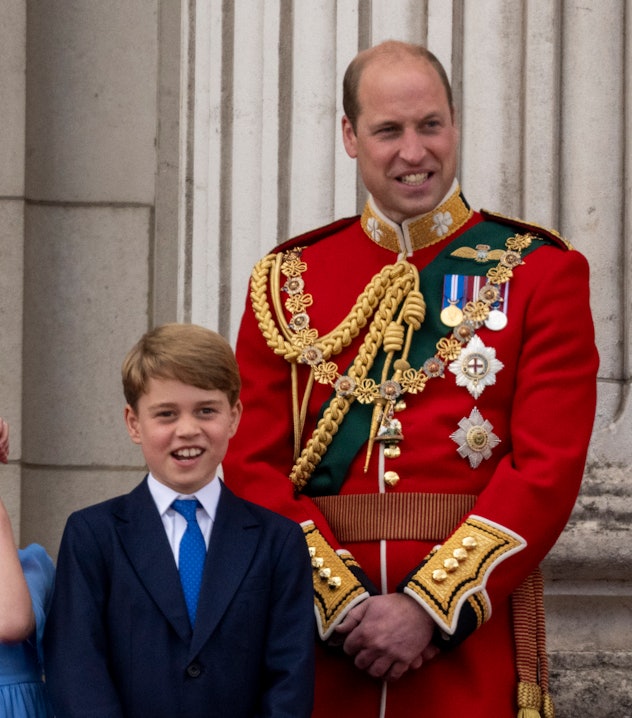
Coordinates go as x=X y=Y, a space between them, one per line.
x=131 y=422
x=236 y=412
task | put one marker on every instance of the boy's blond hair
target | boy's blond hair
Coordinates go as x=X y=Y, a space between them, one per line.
x=188 y=353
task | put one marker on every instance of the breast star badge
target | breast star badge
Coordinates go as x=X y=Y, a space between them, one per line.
x=476 y=367
x=475 y=438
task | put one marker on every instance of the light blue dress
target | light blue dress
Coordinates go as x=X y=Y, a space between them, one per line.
x=22 y=691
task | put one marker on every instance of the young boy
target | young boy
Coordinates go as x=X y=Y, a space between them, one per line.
x=127 y=636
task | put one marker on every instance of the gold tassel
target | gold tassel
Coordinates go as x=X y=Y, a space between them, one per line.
x=548 y=709
x=529 y=700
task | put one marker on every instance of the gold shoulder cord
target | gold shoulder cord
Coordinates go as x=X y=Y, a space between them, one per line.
x=397 y=285
x=381 y=298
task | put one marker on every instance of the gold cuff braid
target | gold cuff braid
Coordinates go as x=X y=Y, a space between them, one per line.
x=336 y=588
x=457 y=571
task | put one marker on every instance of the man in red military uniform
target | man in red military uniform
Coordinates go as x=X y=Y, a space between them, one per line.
x=419 y=391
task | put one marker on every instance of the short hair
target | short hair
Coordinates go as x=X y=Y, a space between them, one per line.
x=188 y=353
x=390 y=49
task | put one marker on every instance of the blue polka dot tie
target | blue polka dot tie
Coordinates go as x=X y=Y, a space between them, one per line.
x=191 y=556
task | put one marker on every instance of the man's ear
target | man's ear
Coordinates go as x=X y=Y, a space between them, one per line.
x=349 y=137
x=131 y=423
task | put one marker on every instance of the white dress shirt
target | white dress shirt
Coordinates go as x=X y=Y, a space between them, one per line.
x=175 y=524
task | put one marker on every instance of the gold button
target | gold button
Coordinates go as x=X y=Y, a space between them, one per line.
x=450 y=564
x=312 y=551
x=318 y=561
x=439 y=575
x=324 y=573
x=335 y=582
x=460 y=554
x=392 y=451
x=469 y=542
x=391 y=478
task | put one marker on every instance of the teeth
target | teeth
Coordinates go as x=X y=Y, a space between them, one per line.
x=418 y=178
x=188 y=453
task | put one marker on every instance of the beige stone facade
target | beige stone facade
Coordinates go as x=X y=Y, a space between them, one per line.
x=152 y=150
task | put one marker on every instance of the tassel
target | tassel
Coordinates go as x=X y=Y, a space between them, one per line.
x=548 y=709
x=529 y=700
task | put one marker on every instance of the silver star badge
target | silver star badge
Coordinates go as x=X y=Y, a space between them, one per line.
x=476 y=367
x=475 y=438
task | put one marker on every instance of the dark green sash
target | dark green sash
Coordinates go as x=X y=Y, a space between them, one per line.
x=353 y=433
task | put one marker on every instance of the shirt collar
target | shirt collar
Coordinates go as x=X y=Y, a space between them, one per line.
x=163 y=496
x=417 y=232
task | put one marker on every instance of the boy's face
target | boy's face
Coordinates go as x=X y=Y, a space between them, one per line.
x=183 y=432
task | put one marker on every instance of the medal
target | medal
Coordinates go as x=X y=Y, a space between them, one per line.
x=497 y=317
x=451 y=315
x=476 y=367
x=475 y=438
x=496 y=320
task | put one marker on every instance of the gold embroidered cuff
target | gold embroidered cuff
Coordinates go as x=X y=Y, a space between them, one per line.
x=455 y=574
x=336 y=587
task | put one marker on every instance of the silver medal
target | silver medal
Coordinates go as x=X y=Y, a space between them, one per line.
x=496 y=320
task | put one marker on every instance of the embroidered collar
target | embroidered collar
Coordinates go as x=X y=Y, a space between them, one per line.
x=416 y=232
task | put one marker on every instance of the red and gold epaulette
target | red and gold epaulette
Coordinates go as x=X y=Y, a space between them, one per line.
x=311 y=237
x=522 y=225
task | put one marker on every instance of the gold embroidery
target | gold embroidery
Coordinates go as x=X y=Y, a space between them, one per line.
x=529 y=226
x=336 y=589
x=477 y=546
x=417 y=232
x=477 y=255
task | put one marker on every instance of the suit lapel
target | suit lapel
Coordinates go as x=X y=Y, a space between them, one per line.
x=143 y=538
x=233 y=545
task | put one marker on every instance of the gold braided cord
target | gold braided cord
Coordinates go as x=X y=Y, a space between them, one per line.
x=296 y=418
x=279 y=336
x=261 y=307
x=413 y=314
x=394 y=337
x=338 y=407
x=395 y=286
x=303 y=415
x=332 y=343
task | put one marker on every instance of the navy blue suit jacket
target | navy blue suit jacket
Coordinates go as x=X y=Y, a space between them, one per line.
x=118 y=642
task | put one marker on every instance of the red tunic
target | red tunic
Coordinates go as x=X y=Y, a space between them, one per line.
x=540 y=405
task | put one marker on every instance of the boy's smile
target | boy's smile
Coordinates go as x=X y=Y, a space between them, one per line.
x=183 y=432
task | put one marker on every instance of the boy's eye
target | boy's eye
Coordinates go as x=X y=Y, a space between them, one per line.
x=207 y=410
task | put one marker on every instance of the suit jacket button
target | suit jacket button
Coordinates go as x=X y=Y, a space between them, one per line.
x=194 y=670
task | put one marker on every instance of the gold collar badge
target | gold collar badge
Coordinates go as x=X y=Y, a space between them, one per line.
x=417 y=232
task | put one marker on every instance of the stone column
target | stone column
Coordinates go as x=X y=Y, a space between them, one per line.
x=12 y=92
x=88 y=246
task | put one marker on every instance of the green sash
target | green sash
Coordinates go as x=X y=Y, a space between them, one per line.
x=353 y=433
